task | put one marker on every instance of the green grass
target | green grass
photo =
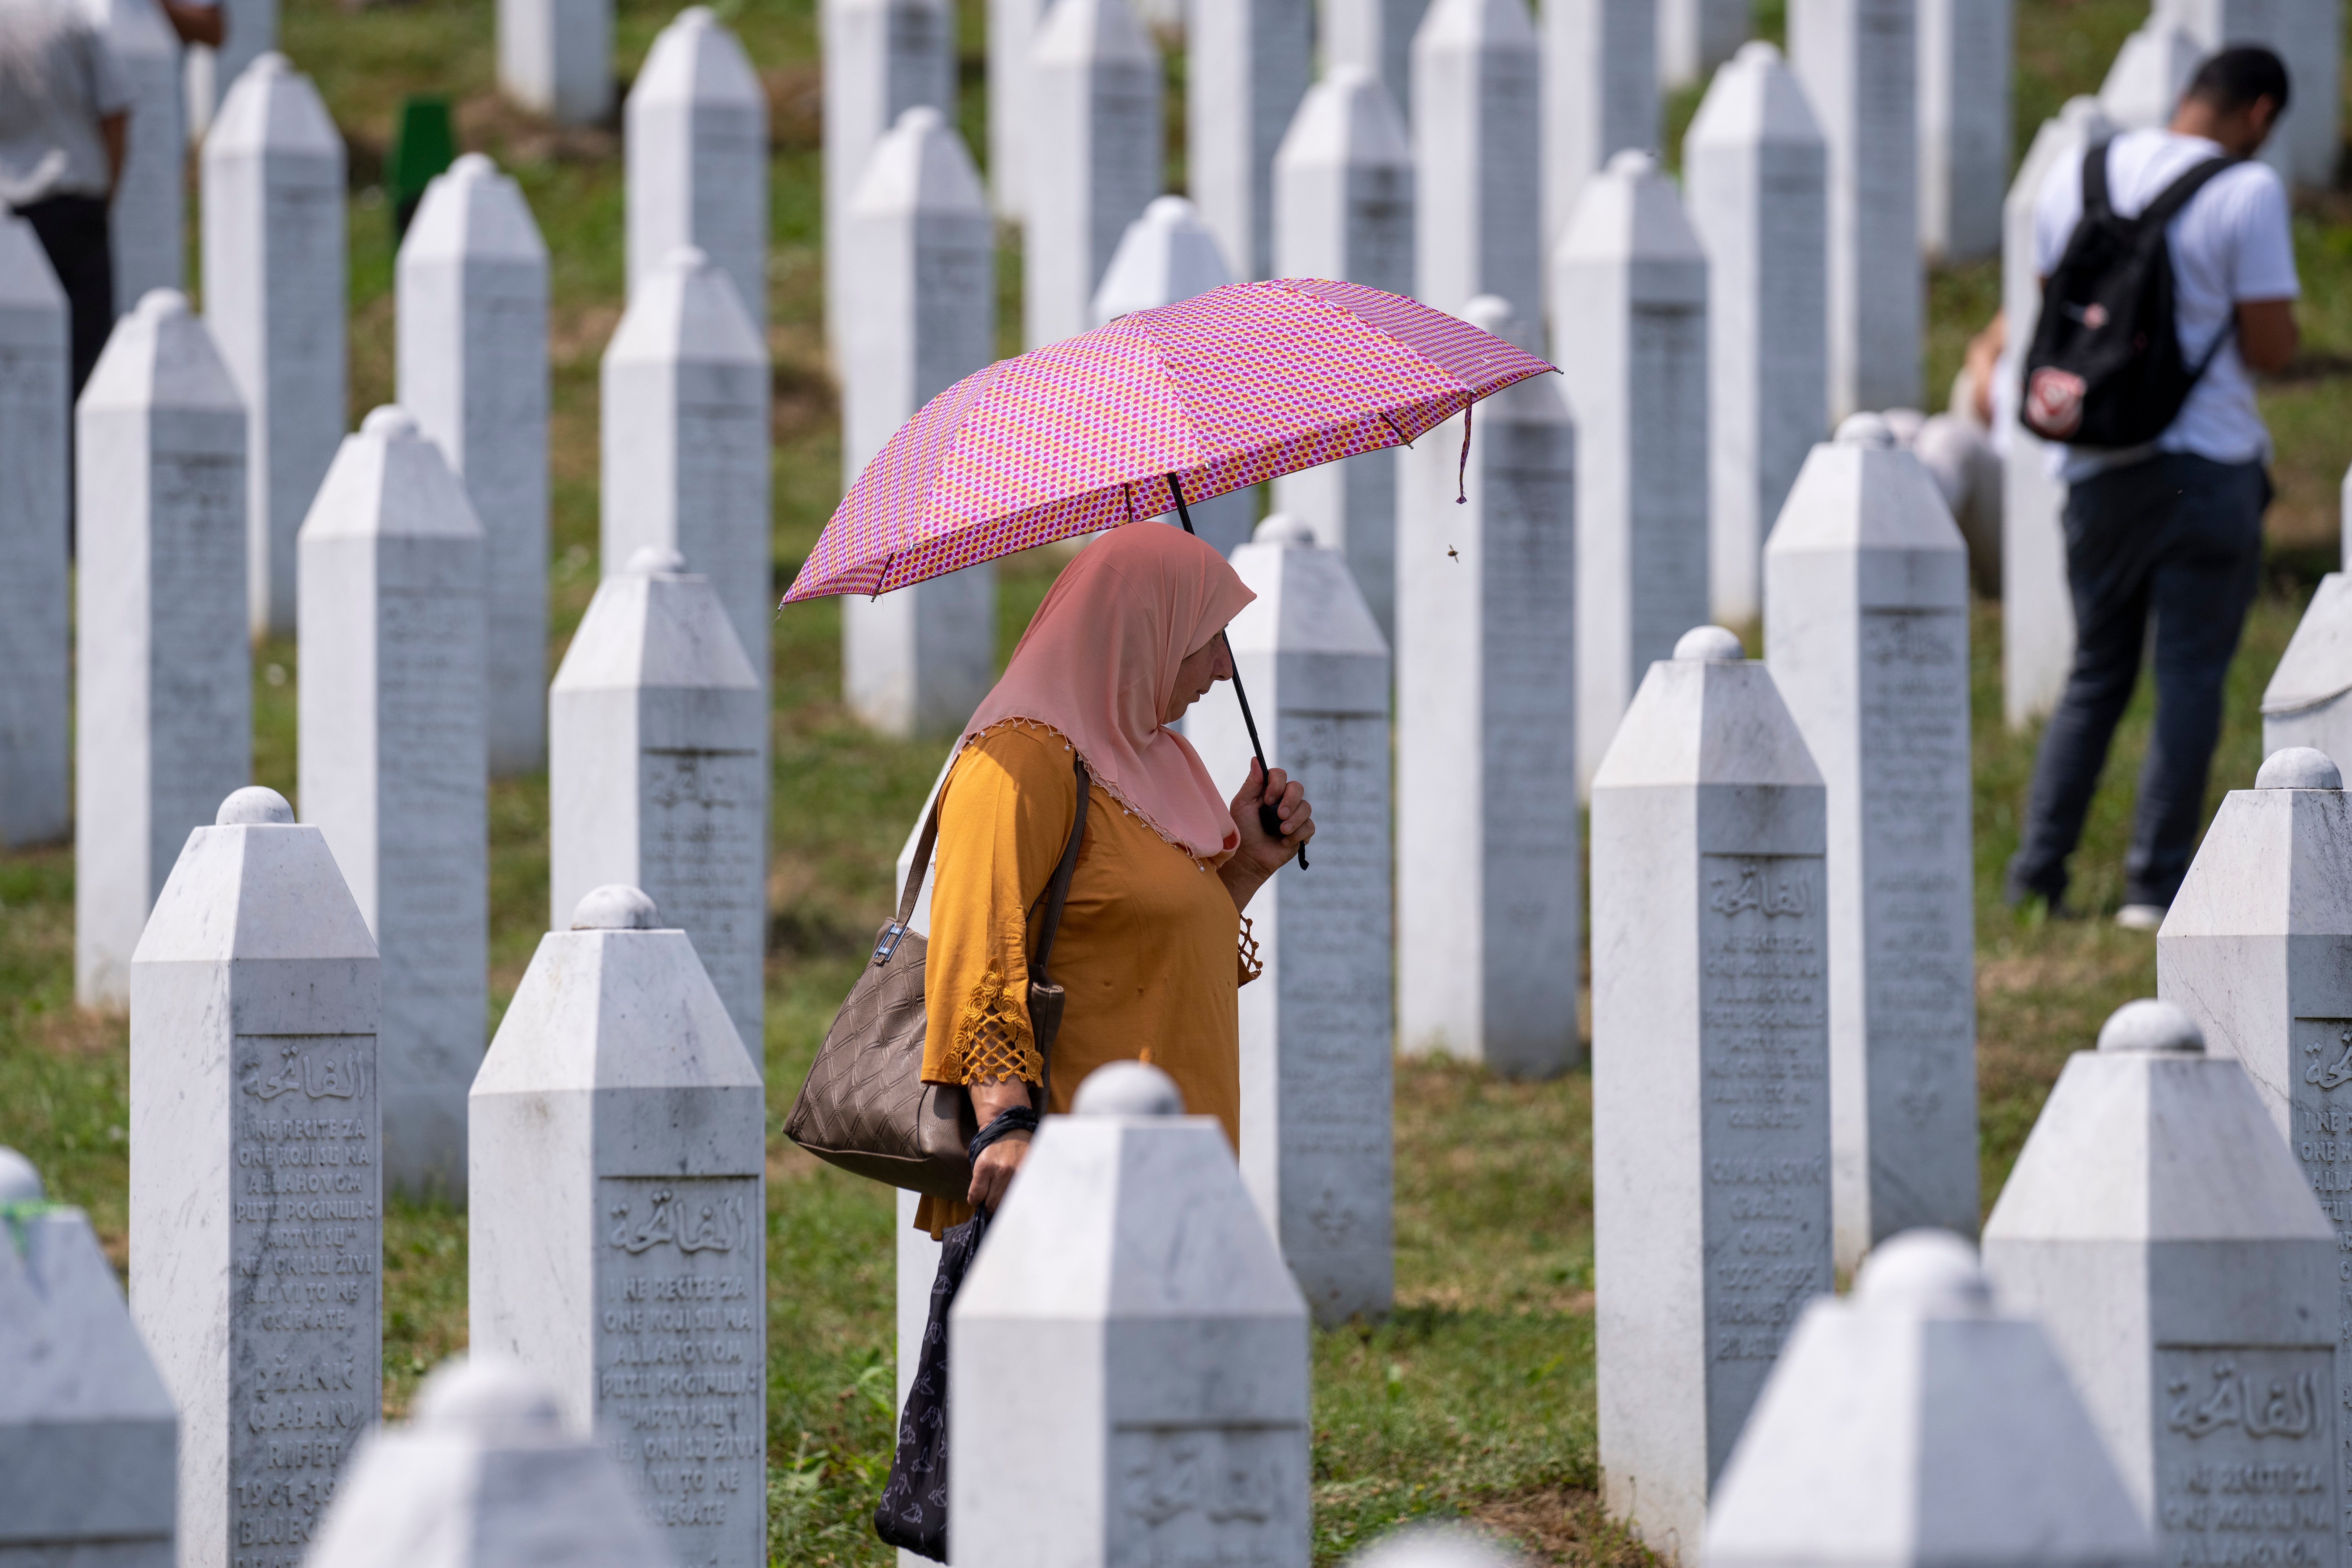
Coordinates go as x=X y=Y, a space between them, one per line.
x=1476 y=1398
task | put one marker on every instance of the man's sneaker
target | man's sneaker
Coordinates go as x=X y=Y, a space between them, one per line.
x=2140 y=917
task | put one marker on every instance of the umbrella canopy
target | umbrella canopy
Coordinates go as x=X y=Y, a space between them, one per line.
x=1215 y=393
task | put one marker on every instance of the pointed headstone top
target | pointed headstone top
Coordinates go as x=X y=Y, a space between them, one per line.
x=2299 y=767
x=920 y=165
x=1866 y=430
x=19 y=1181
x=695 y=57
x=1475 y=24
x=656 y=625
x=237 y=893
x=687 y=309
x=1755 y=97
x=1346 y=118
x=1166 y=255
x=1709 y=716
x=2316 y=666
x=1630 y=212
x=388 y=481
x=273 y=107
x=1863 y=492
x=1307 y=602
x=1092 y=32
x=1128 y=1088
x=2149 y=1025
x=471 y=210
x=161 y=356
x=616 y=907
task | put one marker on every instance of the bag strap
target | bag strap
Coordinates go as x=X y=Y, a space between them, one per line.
x=1059 y=890
x=2182 y=191
x=2096 y=204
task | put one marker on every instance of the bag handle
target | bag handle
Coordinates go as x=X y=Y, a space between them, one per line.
x=1059 y=889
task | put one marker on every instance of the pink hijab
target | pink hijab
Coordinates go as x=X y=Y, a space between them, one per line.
x=1098 y=662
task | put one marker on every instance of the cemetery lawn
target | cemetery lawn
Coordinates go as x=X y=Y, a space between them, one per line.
x=1476 y=1397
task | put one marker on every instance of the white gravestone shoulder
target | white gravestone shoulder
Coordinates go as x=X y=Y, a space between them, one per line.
x=1600 y=95
x=256 y=1225
x=37 y=390
x=1251 y=61
x=147 y=215
x=880 y=59
x=618 y=1222
x=1093 y=145
x=2306 y=703
x=555 y=58
x=1477 y=113
x=697 y=143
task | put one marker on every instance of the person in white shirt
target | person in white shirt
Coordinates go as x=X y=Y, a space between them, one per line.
x=2171 y=532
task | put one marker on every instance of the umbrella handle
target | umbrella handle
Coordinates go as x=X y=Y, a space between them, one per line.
x=1267 y=817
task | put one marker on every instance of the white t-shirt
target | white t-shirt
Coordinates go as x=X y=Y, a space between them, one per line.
x=59 y=77
x=2232 y=242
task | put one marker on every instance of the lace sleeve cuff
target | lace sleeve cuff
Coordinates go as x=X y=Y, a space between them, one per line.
x=1246 y=962
x=992 y=1043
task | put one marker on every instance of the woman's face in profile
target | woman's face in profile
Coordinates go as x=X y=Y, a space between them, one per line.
x=1202 y=668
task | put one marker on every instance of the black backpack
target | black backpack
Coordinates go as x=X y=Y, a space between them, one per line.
x=2105 y=368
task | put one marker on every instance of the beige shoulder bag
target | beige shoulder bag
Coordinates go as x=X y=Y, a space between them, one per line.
x=866 y=1107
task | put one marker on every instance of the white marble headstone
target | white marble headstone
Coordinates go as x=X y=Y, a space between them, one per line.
x=276 y=298
x=1092 y=143
x=2144 y=86
x=1600 y=95
x=1374 y=36
x=1250 y=63
x=1343 y=204
x=654 y=775
x=2037 y=619
x=147 y=215
x=2308 y=38
x=1866 y=629
x=36 y=398
x=391 y=767
x=1696 y=36
x=1710 y=1072
x=1964 y=63
x=1012 y=29
x=89 y=1439
x=488 y=1474
x=1174 y=1426
x=1630 y=334
x=473 y=370
x=1755 y=169
x=619 y=1218
x=1316 y=1025
x=1477 y=153
x=1916 y=1422
x=2168 y=1240
x=250 y=31
x=555 y=58
x=163 y=699
x=256 y=1220
x=1168 y=255
x=881 y=58
x=697 y=138
x=1488 y=869
x=921 y=316
x=2306 y=702
x=685 y=446
x=1859 y=62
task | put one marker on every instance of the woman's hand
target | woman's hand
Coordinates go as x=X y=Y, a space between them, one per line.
x=1262 y=853
x=992 y=1174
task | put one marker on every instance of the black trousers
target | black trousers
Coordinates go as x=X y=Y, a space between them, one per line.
x=2176 y=538
x=74 y=231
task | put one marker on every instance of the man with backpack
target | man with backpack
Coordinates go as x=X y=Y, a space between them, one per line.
x=2162 y=292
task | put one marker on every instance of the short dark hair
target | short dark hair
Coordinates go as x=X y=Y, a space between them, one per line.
x=2240 y=74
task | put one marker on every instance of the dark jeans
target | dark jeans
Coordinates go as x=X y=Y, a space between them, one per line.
x=73 y=230
x=2178 y=538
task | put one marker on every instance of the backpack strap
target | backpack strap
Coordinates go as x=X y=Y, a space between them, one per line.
x=2096 y=204
x=2183 y=190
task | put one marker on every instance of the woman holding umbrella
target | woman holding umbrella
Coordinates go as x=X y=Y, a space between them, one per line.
x=1152 y=945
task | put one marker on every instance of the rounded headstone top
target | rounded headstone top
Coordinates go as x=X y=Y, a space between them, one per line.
x=648 y=559
x=1757 y=51
x=1433 y=1546
x=270 y=64
x=1282 y=528
x=1904 y=424
x=1490 y=313
x=254 y=805
x=1632 y=162
x=1932 y=1273
x=921 y=118
x=472 y=166
x=1347 y=75
x=2299 y=767
x=694 y=16
x=1128 y=1088
x=1866 y=430
x=1170 y=210
x=19 y=1183
x=2149 y=1025
x=157 y=303
x=1713 y=644
x=686 y=258
x=391 y=422
x=616 y=906
x=490 y=1397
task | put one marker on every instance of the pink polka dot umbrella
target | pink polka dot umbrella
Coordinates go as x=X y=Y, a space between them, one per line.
x=1161 y=408
x=1191 y=400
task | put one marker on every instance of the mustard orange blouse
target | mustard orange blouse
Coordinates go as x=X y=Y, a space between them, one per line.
x=1146 y=954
